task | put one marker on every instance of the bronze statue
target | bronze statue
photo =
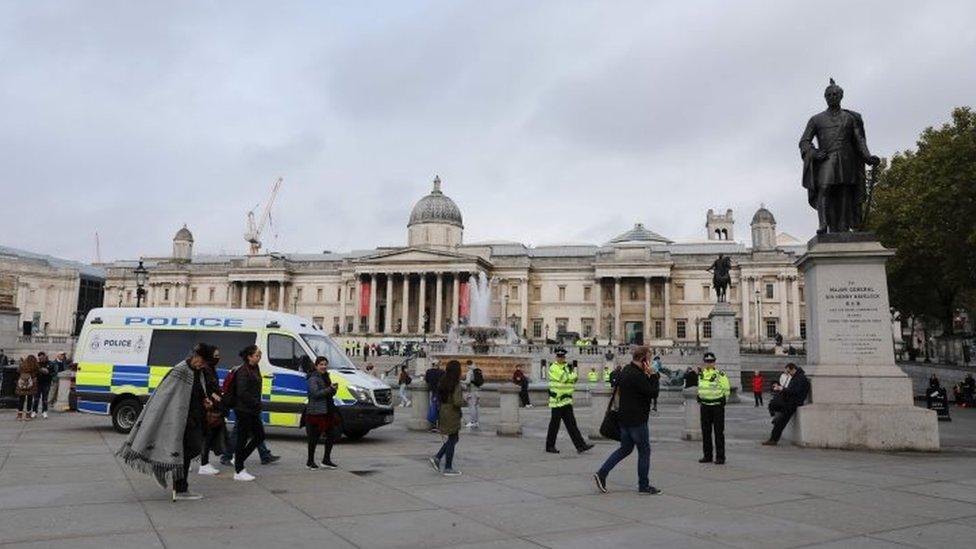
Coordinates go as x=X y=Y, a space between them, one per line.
x=833 y=171
x=721 y=277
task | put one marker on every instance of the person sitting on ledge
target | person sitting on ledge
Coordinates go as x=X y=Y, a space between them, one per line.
x=791 y=397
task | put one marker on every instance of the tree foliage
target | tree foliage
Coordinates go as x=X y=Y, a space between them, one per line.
x=924 y=206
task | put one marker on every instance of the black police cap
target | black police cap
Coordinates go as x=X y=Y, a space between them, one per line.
x=709 y=357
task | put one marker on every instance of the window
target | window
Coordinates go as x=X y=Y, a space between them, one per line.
x=658 y=329
x=513 y=292
x=706 y=292
x=210 y=294
x=320 y=321
x=318 y=295
x=562 y=293
x=298 y=294
x=587 y=293
x=737 y=328
x=587 y=324
x=193 y=294
x=800 y=291
x=170 y=347
x=657 y=293
x=536 y=293
x=771 y=330
x=769 y=290
x=561 y=324
x=633 y=293
x=350 y=294
x=803 y=329
x=536 y=327
x=285 y=352
x=679 y=292
x=706 y=329
x=681 y=328
x=166 y=294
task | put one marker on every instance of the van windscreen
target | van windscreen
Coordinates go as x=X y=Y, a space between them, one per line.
x=170 y=347
x=323 y=346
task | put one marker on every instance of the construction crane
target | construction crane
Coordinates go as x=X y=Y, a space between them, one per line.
x=253 y=232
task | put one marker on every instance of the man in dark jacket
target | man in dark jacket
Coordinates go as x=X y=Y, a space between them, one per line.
x=633 y=394
x=792 y=396
x=432 y=377
x=43 y=384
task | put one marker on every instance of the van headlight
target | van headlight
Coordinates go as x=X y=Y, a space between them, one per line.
x=361 y=394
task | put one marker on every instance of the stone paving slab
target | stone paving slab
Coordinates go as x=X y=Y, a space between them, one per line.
x=61 y=486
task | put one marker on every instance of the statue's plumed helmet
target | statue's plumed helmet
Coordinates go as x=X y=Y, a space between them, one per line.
x=833 y=86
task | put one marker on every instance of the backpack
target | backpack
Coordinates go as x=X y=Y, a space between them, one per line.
x=228 y=388
x=25 y=384
x=478 y=379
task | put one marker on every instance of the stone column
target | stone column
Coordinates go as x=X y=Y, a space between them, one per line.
x=647 y=310
x=796 y=305
x=243 y=295
x=342 y=306
x=456 y=294
x=783 y=324
x=388 y=314
x=508 y=403
x=281 y=296
x=420 y=399
x=524 y=296
x=230 y=295
x=172 y=295
x=266 y=283
x=616 y=309
x=405 y=305
x=667 y=308
x=372 y=303
x=598 y=287
x=745 y=293
x=421 y=302
x=692 y=414
x=439 y=305
x=599 y=399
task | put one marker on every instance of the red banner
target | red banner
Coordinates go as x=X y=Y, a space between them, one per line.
x=465 y=300
x=363 y=299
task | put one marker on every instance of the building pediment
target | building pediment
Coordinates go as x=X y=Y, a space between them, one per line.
x=417 y=257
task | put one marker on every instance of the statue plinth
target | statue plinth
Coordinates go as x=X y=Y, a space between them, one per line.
x=860 y=398
x=725 y=345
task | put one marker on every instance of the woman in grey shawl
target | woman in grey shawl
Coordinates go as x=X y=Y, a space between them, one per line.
x=169 y=431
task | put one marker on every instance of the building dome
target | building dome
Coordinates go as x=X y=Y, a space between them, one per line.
x=763 y=216
x=436 y=207
x=183 y=235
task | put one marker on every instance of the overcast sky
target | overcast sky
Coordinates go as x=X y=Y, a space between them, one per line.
x=548 y=122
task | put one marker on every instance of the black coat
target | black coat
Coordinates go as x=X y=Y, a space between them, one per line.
x=655 y=384
x=432 y=377
x=247 y=389
x=796 y=392
x=634 y=390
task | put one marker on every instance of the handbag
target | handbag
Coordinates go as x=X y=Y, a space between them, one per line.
x=213 y=416
x=610 y=427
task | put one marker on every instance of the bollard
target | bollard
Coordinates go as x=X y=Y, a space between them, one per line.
x=65 y=379
x=599 y=398
x=692 y=414
x=509 y=424
x=420 y=396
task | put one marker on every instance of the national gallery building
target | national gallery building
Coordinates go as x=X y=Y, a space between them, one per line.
x=638 y=286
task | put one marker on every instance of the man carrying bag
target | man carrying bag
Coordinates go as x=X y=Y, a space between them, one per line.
x=634 y=391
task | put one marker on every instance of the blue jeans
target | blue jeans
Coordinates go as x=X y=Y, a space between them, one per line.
x=447 y=450
x=230 y=443
x=639 y=436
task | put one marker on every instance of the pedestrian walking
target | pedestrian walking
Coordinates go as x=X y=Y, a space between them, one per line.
x=168 y=433
x=26 y=389
x=403 y=382
x=320 y=415
x=449 y=418
x=473 y=380
x=713 y=391
x=246 y=390
x=633 y=395
x=757 y=387
x=562 y=384
x=432 y=378
x=792 y=397
x=44 y=368
x=214 y=426
x=4 y=360
x=519 y=378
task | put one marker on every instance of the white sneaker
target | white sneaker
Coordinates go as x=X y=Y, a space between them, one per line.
x=528 y=405
x=208 y=470
x=243 y=476
x=44 y=415
x=33 y=414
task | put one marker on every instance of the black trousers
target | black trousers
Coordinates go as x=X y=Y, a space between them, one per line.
x=312 y=434
x=250 y=434
x=564 y=413
x=713 y=421
x=524 y=393
x=758 y=397
x=192 y=444
x=213 y=440
x=780 y=420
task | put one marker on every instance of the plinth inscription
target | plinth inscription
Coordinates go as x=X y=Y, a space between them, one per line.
x=855 y=317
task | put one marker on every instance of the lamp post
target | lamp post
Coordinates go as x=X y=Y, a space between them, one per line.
x=547 y=333
x=697 y=332
x=141 y=275
x=758 y=316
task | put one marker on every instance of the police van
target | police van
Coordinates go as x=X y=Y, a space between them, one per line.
x=123 y=354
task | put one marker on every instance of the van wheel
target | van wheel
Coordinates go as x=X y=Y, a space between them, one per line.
x=355 y=434
x=124 y=414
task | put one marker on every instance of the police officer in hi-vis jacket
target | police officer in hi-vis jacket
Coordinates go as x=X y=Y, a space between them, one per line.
x=713 y=391
x=562 y=383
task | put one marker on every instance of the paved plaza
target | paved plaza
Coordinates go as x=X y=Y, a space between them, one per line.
x=61 y=486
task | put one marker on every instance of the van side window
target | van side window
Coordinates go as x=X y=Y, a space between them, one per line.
x=170 y=347
x=285 y=352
